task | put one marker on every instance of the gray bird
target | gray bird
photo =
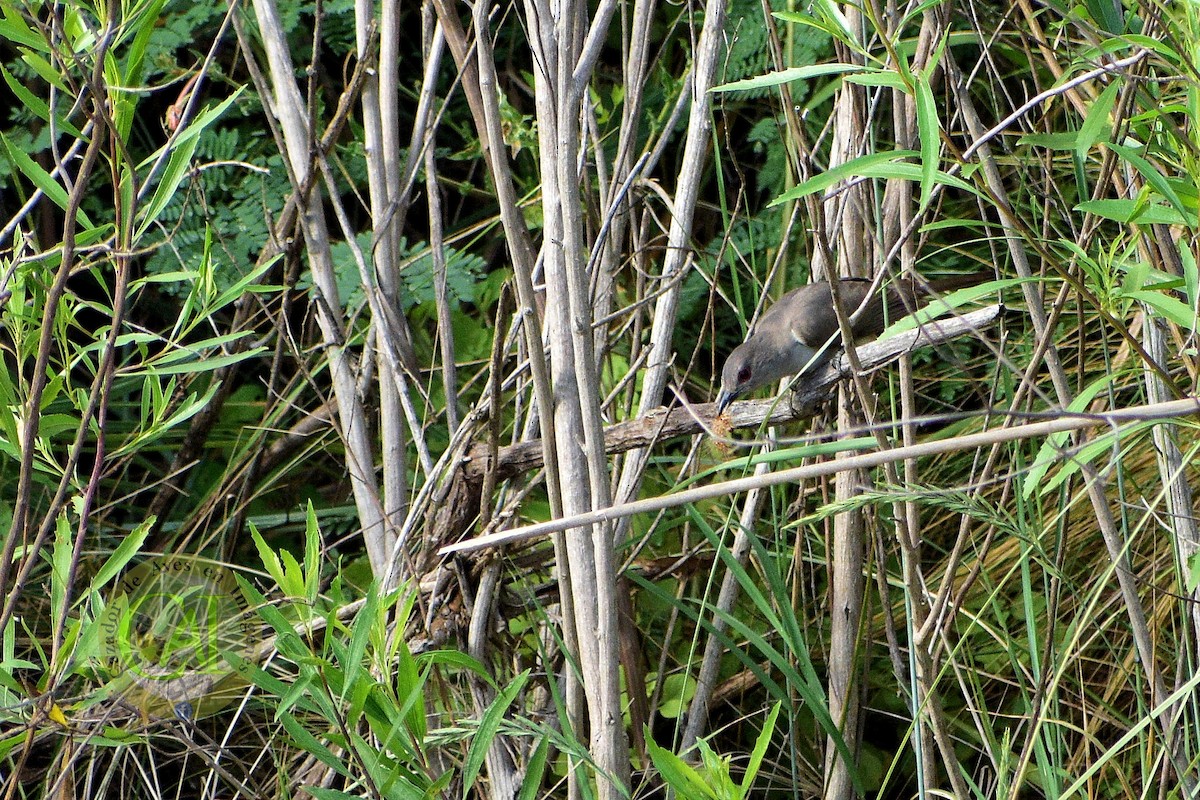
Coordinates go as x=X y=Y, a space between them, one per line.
x=790 y=335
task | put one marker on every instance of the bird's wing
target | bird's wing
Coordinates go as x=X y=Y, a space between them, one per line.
x=798 y=311
x=807 y=311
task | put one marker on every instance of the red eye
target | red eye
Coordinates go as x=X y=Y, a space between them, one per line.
x=743 y=374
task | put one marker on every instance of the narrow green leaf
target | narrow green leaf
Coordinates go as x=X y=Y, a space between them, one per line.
x=64 y=545
x=145 y=23
x=677 y=773
x=360 y=635
x=1097 y=123
x=875 y=165
x=176 y=170
x=322 y=793
x=268 y=556
x=45 y=71
x=1175 y=310
x=14 y=30
x=312 y=745
x=789 y=75
x=947 y=303
x=245 y=284
x=36 y=104
x=760 y=750
x=838 y=24
x=293 y=575
x=1048 y=453
x=1191 y=276
x=489 y=725
x=182 y=148
x=409 y=683
x=885 y=78
x=1151 y=174
x=784 y=455
x=1128 y=211
x=312 y=554
x=40 y=178
x=197 y=127
x=535 y=770
x=206 y=365
x=1093 y=449
x=850 y=169
x=1051 y=141
x=929 y=130
x=121 y=556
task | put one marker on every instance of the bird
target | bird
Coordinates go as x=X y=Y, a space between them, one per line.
x=795 y=333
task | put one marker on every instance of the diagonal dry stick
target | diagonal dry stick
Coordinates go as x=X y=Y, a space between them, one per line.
x=1068 y=421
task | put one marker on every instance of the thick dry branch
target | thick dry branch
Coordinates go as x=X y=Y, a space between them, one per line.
x=808 y=391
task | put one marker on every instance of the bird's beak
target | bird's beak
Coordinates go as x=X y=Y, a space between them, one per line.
x=723 y=401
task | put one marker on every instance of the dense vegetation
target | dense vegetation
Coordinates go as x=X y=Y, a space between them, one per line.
x=295 y=295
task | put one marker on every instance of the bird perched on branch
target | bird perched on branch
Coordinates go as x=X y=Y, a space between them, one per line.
x=800 y=331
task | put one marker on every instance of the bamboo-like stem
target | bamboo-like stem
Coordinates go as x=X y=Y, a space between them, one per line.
x=565 y=54
x=298 y=142
x=846 y=574
x=383 y=189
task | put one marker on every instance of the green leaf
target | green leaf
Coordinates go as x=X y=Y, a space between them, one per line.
x=1051 y=141
x=40 y=178
x=1049 y=452
x=268 y=556
x=1175 y=310
x=1192 y=578
x=760 y=750
x=1093 y=449
x=489 y=725
x=321 y=793
x=312 y=554
x=678 y=774
x=177 y=169
x=873 y=165
x=1151 y=174
x=884 y=78
x=787 y=76
x=146 y=23
x=14 y=30
x=783 y=455
x=360 y=634
x=850 y=169
x=60 y=562
x=1191 y=276
x=181 y=148
x=121 y=556
x=312 y=745
x=45 y=71
x=1097 y=122
x=205 y=365
x=37 y=105
x=1128 y=211
x=929 y=130
x=534 y=771
x=947 y=303
x=409 y=683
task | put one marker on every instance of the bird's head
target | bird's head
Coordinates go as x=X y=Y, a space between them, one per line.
x=742 y=373
x=763 y=359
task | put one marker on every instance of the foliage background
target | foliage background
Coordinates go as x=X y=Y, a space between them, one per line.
x=189 y=370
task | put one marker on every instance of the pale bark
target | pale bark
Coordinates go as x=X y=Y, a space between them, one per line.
x=298 y=142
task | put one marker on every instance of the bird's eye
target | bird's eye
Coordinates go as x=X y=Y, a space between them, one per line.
x=743 y=374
